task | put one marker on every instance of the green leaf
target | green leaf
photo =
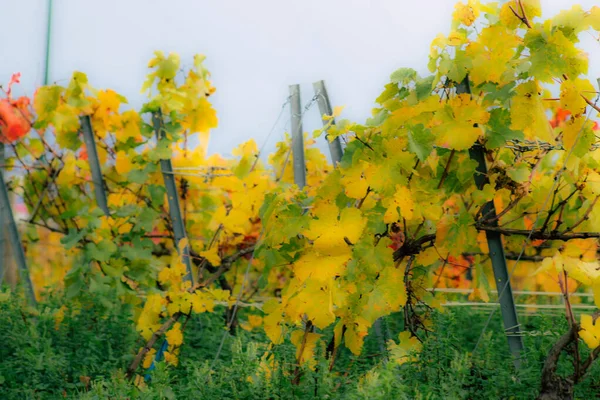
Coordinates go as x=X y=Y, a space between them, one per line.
x=162 y=151
x=420 y=141
x=140 y=176
x=46 y=100
x=157 y=194
x=76 y=90
x=519 y=172
x=378 y=118
x=243 y=168
x=584 y=141
x=140 y=249
x=455 y=68
x=74 y=287
x=495 y=93
x=424 y=87
x=72 y=238
x=403 y=75
x=146 y=219
x=498 y=129
x=101 y=251
x=391 y=90
x=272 y=258
x=554 y=55
x=373 y=259
x=147 y=130
x=69 y=140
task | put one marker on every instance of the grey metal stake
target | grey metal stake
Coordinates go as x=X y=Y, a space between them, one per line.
x=297 y=137
x=335 y=146
x=90 y=145
x=3 y=221
x=15 y=241
x=496 y=251
x=173 y=197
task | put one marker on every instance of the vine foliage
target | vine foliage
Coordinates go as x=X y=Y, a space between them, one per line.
x=374 y=235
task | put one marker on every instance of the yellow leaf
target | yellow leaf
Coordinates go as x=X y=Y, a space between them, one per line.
x=255 y=320
x=337 y=111
x=457 y=38
x=405 y=349
x=402 y=199
x=329 y=234
x=305 y=343
x=491 y=54
x=149 y=358
x=122 y=163
x=355 y=336
x=183 y=243
x=459 y=124
x=593 y=182
x=528 y=113
x=314 y=301
x=174 y=335
x=171 y=358
x=570 y=94
x=129 y=127
x=317 y=266
x=212 y=256
x=590 y=331
x=220 y=294
x=572 y=131
x=466 y=13
x=594 y=18
x=581 y=271
x=354 y=181
x=66 y=119
x=273 y=321
x=352 y=223
x=200 y=116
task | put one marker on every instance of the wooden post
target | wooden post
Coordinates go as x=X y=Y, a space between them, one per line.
x=335 y=146
x=90 y=145
x=173 y=197
x=15 y=241
x=512 y=328
x=297 y=137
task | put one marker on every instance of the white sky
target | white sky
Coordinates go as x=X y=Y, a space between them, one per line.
x=254 y=49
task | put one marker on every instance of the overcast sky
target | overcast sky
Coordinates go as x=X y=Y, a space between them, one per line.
x=255 y=50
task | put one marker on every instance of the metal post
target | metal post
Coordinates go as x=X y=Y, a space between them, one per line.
x=512 y=327
x=15 y=241
x=297 y=137
x=48 y=33
x=335 y=146
x=173 y=198
x=90 y=145
x=3 y=221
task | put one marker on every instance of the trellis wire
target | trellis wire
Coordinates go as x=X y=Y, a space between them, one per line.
x=287 y=157
x=262 y=148
x=517 y=292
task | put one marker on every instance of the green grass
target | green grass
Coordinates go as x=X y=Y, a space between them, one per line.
x=86 y=356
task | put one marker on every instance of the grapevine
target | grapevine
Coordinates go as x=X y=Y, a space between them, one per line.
x=399 y=217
